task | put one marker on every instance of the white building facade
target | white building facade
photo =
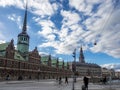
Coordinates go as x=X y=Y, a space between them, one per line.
x=87 y=69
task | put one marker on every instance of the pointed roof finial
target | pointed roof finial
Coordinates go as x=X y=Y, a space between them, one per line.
x=12 y=41
x=81 y=58
x=24 y=29
x=81 y=49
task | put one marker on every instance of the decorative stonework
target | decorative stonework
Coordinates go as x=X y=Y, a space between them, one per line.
x=10 y=50
x=34 y=56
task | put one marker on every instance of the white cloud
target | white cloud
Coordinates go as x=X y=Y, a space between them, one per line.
x=18 y=3
x=69 y=18
x=43 y=53
x=15 y=18
x=109 y=42
x=71 y=34
x=84 y=6
x=47 y=29
x=115 y=66
x=2 y=41
x=43 y=7
x=38 y=7
x=55 y=6
x=105 y=23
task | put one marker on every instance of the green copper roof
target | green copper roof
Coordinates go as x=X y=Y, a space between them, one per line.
x=65 y=63
x=3 y=46
x=17 y=56
x=60 y=63
x=2 y=53
x=54 y=61
x=44 y=59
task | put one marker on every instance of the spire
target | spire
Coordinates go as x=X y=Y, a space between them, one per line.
x=35 y=50
x=23 y=38
x=49 y=60
x=63 y=64
x=25 y=21
x=81 y=58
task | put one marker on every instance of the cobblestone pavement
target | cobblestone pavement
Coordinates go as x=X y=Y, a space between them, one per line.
x=53 y=85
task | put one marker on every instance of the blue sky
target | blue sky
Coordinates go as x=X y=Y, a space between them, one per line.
x=57 y=27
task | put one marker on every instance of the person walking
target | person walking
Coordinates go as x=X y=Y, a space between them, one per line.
x=66 y=80
x=7 y=77
x=86 y=81
x=104 y=80
x=60 y=80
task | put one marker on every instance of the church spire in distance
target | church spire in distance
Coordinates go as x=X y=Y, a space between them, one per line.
x=81 y=58
x=24 y=29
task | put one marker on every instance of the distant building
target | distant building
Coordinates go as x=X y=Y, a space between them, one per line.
x=21 y=63
x=87 y=69
x=112 y=73
x=117 y=74
x=108 y=72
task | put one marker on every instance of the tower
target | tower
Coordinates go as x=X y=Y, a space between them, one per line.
x=81 y=58
x=23 y=39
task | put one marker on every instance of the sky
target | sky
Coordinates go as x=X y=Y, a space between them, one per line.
x=57 y=27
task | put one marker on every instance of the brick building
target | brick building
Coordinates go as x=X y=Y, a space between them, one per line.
x=21 y=63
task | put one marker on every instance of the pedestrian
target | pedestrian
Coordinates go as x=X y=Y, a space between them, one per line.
x=7 y=77
x=66 y=80
x=30 y=77
x=60 y=80
x=86 y=81
x=104 y=80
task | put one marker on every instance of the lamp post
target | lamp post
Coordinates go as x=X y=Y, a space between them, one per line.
x=19 y=70
x=38 y=74
x=74 y=69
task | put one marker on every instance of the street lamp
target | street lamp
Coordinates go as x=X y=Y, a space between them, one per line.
x=38 y=73
x=19 y=73
x=74 y=69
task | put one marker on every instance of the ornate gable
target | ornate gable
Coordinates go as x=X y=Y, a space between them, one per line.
x=34 y=56
x=10 y=50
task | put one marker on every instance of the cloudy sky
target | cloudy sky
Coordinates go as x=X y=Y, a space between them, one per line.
x=57 y=27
